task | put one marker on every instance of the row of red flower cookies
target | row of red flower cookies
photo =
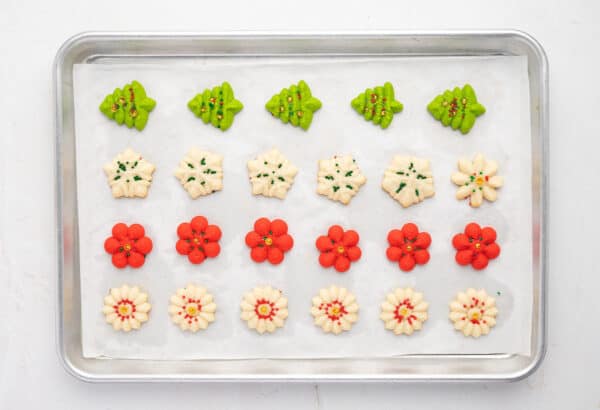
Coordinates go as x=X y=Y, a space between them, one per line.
x=407 y=179
x=334 y=309
x=270 y=240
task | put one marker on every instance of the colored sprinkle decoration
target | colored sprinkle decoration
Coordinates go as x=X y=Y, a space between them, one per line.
x=378 y=105
x=198 y=240
x=129 y=106
x=294 y=105
x=458 y=108
x=476 y=246
x=128 y=245
x=217 y=106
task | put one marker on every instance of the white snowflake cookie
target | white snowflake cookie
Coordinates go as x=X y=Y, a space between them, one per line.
x=339 y=178
x=404 y=311
x=264 y=309
x=473 y=312
x=334 y=309
x=408 y=180
x=271 y=174
x=192 y=308
x=477 y=179
x=200 y=172
x=126 y=308
x=129 y=175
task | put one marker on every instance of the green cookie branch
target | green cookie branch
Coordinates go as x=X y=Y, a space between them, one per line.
x=458 y=108
x=378 y=105
x=217 y=106
x=129 y=106
x=294 y=105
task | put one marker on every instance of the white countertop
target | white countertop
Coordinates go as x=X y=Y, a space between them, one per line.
x=30 y=373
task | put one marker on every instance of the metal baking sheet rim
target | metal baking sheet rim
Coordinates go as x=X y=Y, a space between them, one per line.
x=413 y=368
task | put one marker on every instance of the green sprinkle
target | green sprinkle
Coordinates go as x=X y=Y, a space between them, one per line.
x=117 y=177
x=349 y=173
x=191 y=179
x=190 y=165
x=137 y=178
x=329 y=177
x=203 y=182
x=400 y=173
x=402 y=185
x=420 y=176
x=335 y=188
x=282 y=179
x=417 y=192
x=349 y=187
x=203 y=161
x=122 y=166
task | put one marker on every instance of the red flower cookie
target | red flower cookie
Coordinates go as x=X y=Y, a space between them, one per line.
x=128 y=245
x=269 y=240
x=476 y=246
x=408 y=246
x=338 y=248
x=198 y=240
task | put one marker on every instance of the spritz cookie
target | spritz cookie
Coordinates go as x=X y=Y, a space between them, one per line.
x=129 y=175
x=264 y=309
x=126 y=308
x=335 y=310
x=271 y=174
x=339 y=178
x=403 y=311
x=473 y=312
x=200 y=172
x=192 y=308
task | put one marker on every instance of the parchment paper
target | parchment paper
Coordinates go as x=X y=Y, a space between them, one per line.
x=502 y=133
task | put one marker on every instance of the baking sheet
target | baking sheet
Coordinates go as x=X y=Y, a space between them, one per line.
x=502 y=133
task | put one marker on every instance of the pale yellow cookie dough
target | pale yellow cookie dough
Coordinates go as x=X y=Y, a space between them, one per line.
x=271 y=174
x=339 y=178
x=192 y=308
x=126 y=308
x=264 y=309
x=129 y=175
x=408 y=180
x=477 y=180
x=200 y=172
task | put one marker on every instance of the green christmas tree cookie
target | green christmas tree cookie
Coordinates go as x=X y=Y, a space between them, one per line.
x=378 y=105
x=217 y=106
x=129 y=105
x=457 y=108
x=295 y=105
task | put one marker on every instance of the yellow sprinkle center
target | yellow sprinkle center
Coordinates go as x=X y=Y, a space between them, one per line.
x=409 y=248
x=403 y=311
x=477 y=245
x=335 y=310
x=127 y=247
x=341 y=249
x=268 y=241
x=125 y=310
x=133 y=113
x=264 y=309
x=479 y=181
x=299 y=113
x=191 y=309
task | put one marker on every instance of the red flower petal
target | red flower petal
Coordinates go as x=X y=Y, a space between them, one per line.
x=143 y=245
x=464 y=257
x=212 y=233
x=410 y=230
x=480 y=261
x=284 y=242
x=275 y=255
x=120 y=231
x=324 y=243
x=258 y=254
x=393 y=253
x=199 y=223
x=492 y=250
x=196 y=256
x=488 y=234
x=350 y=238
x=461 y=241
x=212 y=249
x=119 y=260
x=473 y=230
x=354 y=253
x=421 y=256
x=135 y=259
x=407 y=263
x=184 y=231
x=327 y=259
x=183 y=247
x=279 y=227
x=395 y=237
x=342 y=264
x=262 y=226
x=253 y=239
x=135 y=231
x=336 y=233
x=111 y=245
x=423 y=240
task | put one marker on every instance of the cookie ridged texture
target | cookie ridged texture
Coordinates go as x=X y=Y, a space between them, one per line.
x=295 y=105
x=458 y=108
x=217 y=106
x=128 y=105
x=378 y=105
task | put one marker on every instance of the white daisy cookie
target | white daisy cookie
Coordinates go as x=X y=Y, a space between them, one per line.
x=129 y=175
x=473 y=312
x=271 y=174
x=339 y=178
x=126 y=308
x=200 y=172
x=408 y=180
x=477 y=180
x=334 y=309
x=403 y=311
x=264 y=309
x=192 y=308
